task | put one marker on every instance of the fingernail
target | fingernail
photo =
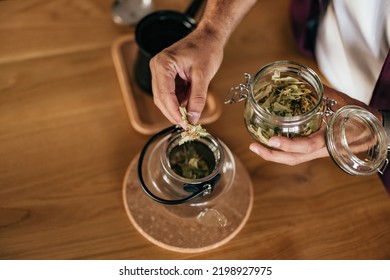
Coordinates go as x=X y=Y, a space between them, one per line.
x=193 y=117
x=183 y=126
x=253 y=148
x=274 y=143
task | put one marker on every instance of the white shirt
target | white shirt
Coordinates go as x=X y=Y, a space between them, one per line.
x=353 y=40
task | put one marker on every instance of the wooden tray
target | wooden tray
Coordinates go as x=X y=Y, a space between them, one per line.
x=145 y=117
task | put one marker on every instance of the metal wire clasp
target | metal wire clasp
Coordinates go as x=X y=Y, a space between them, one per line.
x=238 y=93
x=382 y=169
x=329 y=103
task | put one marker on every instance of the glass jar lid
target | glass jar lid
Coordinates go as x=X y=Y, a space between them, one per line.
x=357 y=141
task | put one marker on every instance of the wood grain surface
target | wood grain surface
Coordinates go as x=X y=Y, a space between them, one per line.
x=66 y=142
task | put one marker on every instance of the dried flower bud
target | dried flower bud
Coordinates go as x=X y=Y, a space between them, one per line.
x=192 y=132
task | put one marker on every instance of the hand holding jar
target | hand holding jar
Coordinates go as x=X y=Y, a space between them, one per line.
x=293 y=121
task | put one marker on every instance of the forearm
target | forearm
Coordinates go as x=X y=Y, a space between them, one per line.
x=343 y=99
x=221 y=17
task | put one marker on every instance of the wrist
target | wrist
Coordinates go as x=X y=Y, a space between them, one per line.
x=221 y=17
x=214 y=31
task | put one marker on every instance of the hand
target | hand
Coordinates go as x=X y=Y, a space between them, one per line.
x=293 y=151
x=182 y=72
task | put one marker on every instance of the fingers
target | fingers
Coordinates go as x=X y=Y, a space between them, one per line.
x=288 y=158
x=164 y=88
x=175 y=84
x=198 y=96
x=181 y=74
x=305 y=145
x=292 y=151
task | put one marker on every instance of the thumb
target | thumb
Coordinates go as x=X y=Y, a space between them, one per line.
x=197 y=100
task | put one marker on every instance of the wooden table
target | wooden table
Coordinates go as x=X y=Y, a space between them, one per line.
x=66 y=142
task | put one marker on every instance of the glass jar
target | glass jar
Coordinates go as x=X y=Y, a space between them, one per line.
x=273 y=99
x=354 y=137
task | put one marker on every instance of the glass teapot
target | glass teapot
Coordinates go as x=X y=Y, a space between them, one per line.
x=193 y=176
x=286 y=98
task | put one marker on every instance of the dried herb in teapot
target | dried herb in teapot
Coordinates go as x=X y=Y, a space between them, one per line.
x=192 y=160
x=193 y=131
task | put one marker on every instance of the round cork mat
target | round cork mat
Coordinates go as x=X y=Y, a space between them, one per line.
x=176 y=227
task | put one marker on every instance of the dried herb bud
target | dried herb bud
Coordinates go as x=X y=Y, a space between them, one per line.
x=283 y=96
x=192 y=132
x=193 y=160
x=286 y=97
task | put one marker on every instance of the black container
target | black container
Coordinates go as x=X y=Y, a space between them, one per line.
x=156 y=32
